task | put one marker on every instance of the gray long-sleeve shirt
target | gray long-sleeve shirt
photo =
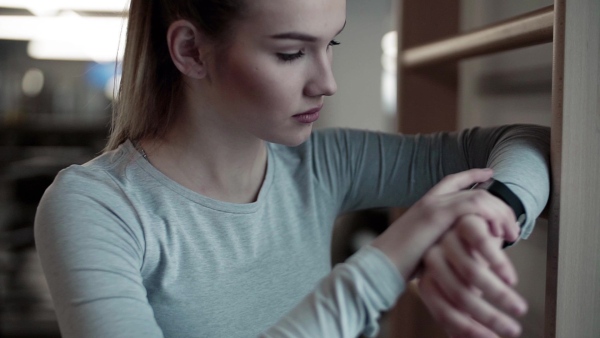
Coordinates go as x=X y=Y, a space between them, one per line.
x=128 y=252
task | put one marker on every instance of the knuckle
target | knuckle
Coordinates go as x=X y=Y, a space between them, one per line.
x=478 y=239
x=447 y=241
x=466 y=226
x=473 y=203
x=481 y=243
x=471 y=273
x=501 y=265
x=498 y=295
x=431 y=258
x=460 y=297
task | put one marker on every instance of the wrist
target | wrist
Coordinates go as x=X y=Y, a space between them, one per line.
x=501 y=191
x=400 y=251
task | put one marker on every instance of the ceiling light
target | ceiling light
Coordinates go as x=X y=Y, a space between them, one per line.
x=67 y=37
x=50 y=7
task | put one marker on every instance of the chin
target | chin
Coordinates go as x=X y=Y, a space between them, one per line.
x=293 y=139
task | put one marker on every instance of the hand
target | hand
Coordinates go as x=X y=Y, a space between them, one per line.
x=466 y=282
x=407 y=239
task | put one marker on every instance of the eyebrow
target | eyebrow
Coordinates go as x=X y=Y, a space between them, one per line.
x=301 y=36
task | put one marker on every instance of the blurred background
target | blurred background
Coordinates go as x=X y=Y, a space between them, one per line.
x=58 y=69
x=57 y=72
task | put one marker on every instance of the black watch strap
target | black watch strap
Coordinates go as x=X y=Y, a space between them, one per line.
x=501 y=191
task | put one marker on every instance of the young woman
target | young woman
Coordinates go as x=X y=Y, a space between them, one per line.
x=210 y=213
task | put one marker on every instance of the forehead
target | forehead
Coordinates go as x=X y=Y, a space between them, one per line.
x=315 y=17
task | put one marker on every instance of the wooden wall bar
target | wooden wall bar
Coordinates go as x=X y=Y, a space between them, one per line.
x=427 y=99
x=522 y=31
x=427 y=102
x=573 y=271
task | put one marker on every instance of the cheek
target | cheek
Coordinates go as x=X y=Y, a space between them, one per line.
x=258 y=84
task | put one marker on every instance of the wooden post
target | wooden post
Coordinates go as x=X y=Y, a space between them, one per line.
x=427 y=102
x=427 y=98
x=573 y=271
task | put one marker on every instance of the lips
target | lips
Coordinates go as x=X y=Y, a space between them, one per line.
x=309 y=116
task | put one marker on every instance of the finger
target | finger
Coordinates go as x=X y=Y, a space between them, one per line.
x=503 y=223
x=509 y=229
x=471 y=272
x=460 y=181
x=473 y=233
x=454 y=321
x=481 y=203
x=463 y=298
x=501 y=295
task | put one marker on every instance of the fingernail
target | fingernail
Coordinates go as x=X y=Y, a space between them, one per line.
x=509 y=278
x=520 y=308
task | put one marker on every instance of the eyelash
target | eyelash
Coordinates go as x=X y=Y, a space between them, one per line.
x=334 y=43
x=292 y=57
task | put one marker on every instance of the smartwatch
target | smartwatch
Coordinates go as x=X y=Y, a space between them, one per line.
x=501 y=191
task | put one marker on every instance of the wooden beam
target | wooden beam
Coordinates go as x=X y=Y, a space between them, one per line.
x=525 y=30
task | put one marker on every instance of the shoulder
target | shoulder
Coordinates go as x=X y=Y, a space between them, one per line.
x=99 y=175
x=87 y=200
x=100 y=184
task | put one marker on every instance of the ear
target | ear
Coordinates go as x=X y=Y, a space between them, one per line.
x=184 y=41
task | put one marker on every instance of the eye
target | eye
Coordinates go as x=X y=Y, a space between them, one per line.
x=290 y=57
x=333 y=43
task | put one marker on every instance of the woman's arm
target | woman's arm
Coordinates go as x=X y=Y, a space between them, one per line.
x=349 y=301
x=391 y=170
x=91 y=253
x=364 y=169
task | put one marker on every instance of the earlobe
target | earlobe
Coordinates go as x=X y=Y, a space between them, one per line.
x=184 y=41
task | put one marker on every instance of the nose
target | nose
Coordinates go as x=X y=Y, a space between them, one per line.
x=321 y=82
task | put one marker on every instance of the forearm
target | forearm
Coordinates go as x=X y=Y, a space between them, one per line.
x=348 y=302
x=388 y=170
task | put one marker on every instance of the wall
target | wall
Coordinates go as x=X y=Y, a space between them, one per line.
x=357 y=69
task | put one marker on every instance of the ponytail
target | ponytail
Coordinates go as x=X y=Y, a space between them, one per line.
x=150 y=83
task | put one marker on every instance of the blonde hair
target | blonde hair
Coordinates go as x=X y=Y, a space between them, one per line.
x=150 y=83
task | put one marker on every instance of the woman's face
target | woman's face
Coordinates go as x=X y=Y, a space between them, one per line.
x=271 y=80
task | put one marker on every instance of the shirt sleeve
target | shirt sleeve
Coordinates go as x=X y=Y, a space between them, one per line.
x=365 y=169
x=346 y=303
x=91 y=253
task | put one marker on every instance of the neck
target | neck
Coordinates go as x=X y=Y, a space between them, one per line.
x=212 y=161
